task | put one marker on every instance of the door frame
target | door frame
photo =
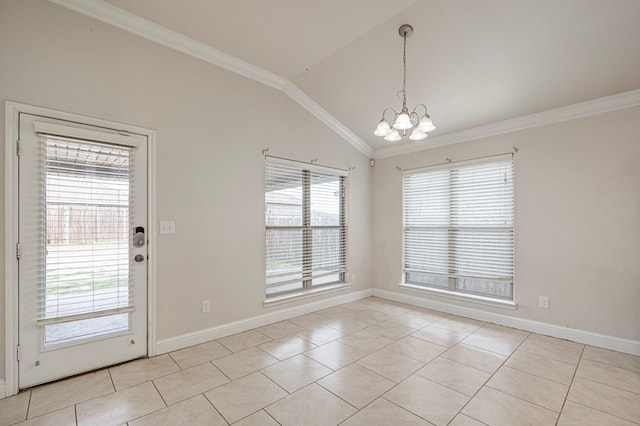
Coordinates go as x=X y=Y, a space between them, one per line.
x=11 y=290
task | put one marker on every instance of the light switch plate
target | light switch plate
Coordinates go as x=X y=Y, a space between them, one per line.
x=167 y=227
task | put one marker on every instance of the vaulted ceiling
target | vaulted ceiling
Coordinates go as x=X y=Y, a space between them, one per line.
x=472 y=62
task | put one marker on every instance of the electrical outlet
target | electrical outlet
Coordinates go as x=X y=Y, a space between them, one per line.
x=206 y=306
x=543 y=302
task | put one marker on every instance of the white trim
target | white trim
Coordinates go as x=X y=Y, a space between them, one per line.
x=130 y=22
x=112 y=15
x=2 y=389
x=10 y=260
x=581 y=336
x=185 y=340
x=88 y=315
x=570 y=112
x=68 y=116
x=152 y=238
x=305 y=294
x=12 y=109
x=460 y=296
x=80 y=133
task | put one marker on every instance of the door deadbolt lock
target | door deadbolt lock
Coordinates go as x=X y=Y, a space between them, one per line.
x=138 y=236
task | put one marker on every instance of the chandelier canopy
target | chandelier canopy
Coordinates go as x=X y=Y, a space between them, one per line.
x=417 y=123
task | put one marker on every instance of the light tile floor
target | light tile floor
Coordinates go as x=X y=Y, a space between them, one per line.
x=370 y=362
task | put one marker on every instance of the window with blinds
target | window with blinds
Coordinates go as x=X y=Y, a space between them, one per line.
x=458 y=227
x=87 y=289
x=305 y=226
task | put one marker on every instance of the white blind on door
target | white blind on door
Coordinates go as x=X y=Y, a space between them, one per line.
x=458 y=227
x=305 y=226
x=88 y=205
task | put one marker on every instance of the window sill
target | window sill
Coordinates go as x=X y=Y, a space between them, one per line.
x=471 y=298
x=305 y=294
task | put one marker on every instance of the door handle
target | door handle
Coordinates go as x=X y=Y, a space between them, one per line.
x=139 y=258
x=138 y=236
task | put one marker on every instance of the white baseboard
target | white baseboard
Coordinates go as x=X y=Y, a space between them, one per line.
x=581 y=336
x=185 y=340
x=3 y=390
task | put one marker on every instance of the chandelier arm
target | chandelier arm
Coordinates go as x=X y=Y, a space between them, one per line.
x=388 y=109
x=414 y=117
x=426 y=112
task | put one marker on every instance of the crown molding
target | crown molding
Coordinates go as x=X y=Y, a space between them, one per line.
x=112 y=15
x=134 y=24
x=570 y=112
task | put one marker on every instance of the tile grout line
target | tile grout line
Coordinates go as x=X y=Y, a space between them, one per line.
x=214 y=407
x=487 y=381
x=392 y=388
x=380 y=396
x=604 y=412
x=152 y=412
x=634 y=372
x=269 y=414
x=537 y=375
x=449 y=387
x=221 y=372
x=26 y=415
x=527 y=401
x=405 y=409
x=336 y=395
x=111 y=380
x=609 y=385
x=575 y=372
x=159 y=393
x=231 y=381
x=174 y=361
x=278 y=385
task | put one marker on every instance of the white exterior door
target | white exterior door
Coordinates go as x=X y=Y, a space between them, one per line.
x=82 y=248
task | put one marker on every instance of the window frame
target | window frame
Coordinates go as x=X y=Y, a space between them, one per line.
x=308 y=287
x=452 y=276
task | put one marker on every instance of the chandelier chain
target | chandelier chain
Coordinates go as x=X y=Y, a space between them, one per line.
x=404 y=72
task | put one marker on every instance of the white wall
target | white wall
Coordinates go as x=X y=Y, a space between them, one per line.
x=211 y=128
x=577 y=220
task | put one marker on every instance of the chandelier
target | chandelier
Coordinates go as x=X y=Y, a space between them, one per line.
x=415 y=124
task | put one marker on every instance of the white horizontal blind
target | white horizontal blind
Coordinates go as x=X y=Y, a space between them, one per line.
x=88 y=203
x=458 y=227
x=305 y=226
